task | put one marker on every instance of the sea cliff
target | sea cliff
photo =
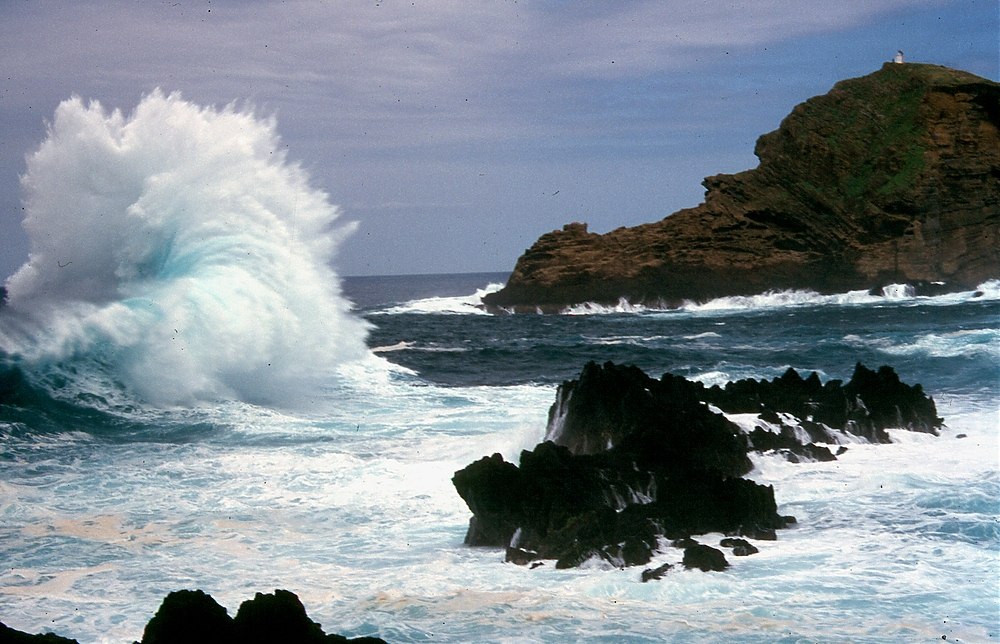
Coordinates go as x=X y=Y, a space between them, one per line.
x=893 y=177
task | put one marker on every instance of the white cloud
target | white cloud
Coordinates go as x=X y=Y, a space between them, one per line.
x=361 y=86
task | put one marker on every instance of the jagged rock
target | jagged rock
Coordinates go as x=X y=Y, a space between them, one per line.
x=893 y=177
x=650 y=574
x=705 y=558
x=189 y=616
x=275 y=617
x=520 y=556
x=740 y=547
x=870 y=403
x=640 y=459
x=9 y=635
x=672 y=468
x=614 y=407
x=193 y=617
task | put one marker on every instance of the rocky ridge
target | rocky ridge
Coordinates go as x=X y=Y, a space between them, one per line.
x=893 y=177
x=630 y=463
x=194 y=617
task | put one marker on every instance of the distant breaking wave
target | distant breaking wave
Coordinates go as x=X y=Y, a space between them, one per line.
x=894 y=293
x=459 y=305
x=176 y=253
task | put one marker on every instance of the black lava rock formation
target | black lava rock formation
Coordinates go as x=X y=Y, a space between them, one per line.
x=630 y=460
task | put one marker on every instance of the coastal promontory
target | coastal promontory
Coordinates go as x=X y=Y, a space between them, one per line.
x=891 y=178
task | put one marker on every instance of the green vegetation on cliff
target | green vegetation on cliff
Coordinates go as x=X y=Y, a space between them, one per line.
x=891 y=177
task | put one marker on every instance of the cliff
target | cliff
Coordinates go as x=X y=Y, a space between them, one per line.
x=893 y=177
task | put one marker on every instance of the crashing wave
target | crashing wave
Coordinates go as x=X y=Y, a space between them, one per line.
x=459 y=305
x=177 y=251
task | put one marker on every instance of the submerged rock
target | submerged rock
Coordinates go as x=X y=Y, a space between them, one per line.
x=740 y=547
x=891 y=178
x=705 y=558
x=629 y=460
x=650 y=574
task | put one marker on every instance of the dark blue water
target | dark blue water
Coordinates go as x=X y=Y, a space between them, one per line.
x=947 y=344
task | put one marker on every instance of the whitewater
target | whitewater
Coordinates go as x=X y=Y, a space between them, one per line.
x=193 y=398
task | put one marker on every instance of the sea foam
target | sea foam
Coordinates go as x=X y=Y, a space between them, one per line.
x=179 y=251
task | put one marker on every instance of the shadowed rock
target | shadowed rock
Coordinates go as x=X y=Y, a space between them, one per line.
x=705 y=558
x=193 y=617
x=651 y=574
x=9 y=635
x=189 y=616
x=740 y=547
x=629 y=460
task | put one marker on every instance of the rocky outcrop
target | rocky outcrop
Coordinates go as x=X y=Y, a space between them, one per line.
x=194 y=617
x=9 y=635
x=889 y=178
x=798 y=417
x=630 y=462
x=704 y=558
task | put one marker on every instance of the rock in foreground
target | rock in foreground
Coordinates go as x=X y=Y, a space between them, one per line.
x=889 y=178
x=629 y=461
x=194 y=617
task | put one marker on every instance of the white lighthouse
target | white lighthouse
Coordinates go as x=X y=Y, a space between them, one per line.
x=898 y=58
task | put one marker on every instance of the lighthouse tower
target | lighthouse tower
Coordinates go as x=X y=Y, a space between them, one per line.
x=898 y=58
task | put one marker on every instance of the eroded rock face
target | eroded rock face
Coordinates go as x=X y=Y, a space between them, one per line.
x=629 y=461
x=889 y=178
x=661 y=422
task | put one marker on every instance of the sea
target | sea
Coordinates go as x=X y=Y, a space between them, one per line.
x=194 y=398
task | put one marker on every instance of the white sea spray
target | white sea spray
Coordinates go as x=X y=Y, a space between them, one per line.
x=179 y=249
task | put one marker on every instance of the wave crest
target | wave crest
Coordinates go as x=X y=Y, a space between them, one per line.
x=181 y=248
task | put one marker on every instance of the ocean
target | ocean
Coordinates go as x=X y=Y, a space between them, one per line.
x=194 y=399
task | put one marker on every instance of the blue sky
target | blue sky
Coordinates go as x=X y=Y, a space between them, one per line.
x=455 y=133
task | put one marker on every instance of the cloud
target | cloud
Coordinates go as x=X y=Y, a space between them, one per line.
x=407 y=103
x=391 y=68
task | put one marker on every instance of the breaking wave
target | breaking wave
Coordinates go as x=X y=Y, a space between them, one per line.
x=176 y=254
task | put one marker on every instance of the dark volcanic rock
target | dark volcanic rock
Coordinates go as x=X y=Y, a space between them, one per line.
x=889 y=178
x=650 y=574
x=277 y=617
x=630 y=460
x=870 y=403
x=670 y=468
x=9 y=635
x=705 y=558
x=741 y=547
x=620 y=408
x=189 y=616
x=192 y=616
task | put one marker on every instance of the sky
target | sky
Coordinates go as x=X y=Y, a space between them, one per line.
x=455 y=132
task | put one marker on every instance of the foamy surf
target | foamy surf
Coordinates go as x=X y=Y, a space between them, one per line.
x=890 y=294
x=458 y=305
x=178 y=249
